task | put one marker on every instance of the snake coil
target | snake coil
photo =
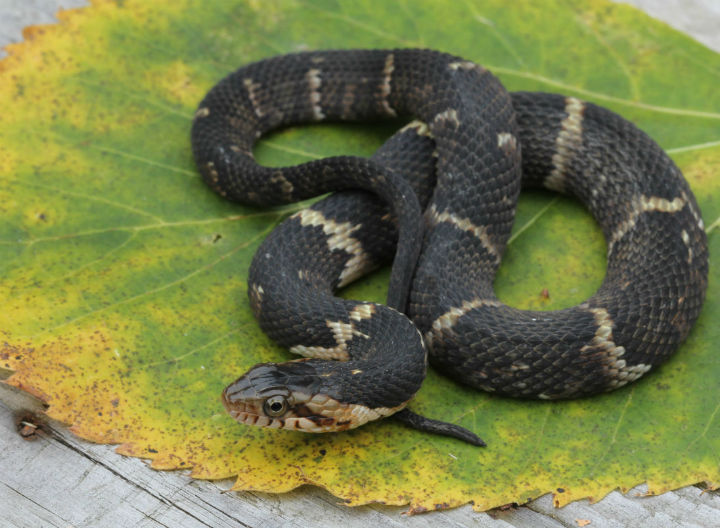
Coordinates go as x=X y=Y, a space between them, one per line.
x=462 y=159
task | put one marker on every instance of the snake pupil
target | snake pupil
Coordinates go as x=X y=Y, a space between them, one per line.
x=275 y=406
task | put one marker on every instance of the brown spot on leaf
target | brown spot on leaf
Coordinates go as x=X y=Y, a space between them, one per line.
x=414 y=510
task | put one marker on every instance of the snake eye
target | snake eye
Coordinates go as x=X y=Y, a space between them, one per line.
x=275 y=406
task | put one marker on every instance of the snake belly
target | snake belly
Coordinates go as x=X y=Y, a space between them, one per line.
x=463 y=160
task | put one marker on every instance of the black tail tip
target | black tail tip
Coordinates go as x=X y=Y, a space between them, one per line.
x=428 y=425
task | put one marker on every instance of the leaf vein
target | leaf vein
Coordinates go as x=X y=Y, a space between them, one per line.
x=713 y=226
x=622 y=66
x=613 y=440
x=291 y=150
x=365 y=27
x=604 y=97
x=162 y=225
x=537 y=441
x=129 y=94
x=163 y=287
x=189 y=353
x=697 y=146
x=144 y=160
x=93 y=198
x=532 y=220
x=79 y=269
x=504 y=42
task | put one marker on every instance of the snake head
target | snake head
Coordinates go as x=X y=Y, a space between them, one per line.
x=292 y=396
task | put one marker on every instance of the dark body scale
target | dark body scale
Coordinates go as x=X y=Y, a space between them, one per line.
x=656 y=275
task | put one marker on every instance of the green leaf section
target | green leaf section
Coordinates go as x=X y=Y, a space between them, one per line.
x=123 y=277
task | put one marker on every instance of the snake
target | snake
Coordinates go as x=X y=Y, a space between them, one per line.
x=440 y=195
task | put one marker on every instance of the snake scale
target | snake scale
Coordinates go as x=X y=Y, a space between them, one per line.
x=448 y=184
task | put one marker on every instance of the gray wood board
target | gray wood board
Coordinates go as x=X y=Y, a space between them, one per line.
x=58 y=480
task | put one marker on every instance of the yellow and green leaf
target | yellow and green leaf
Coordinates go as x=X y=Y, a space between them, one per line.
x=123 y=287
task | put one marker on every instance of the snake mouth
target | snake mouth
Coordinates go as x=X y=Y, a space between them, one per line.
x=247 y=414
x=251 y=413
x=248 y=404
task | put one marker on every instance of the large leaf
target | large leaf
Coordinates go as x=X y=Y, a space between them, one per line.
x=123 y=277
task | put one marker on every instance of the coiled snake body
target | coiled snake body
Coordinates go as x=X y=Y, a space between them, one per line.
x=463 y=161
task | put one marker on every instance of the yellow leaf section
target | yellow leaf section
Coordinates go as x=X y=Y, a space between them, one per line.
x=50 y=370
x=177 y=82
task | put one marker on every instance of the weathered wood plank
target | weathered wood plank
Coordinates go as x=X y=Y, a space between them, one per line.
x=688 y=507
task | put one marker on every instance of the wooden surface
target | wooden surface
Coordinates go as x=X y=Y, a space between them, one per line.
x=57 y=480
